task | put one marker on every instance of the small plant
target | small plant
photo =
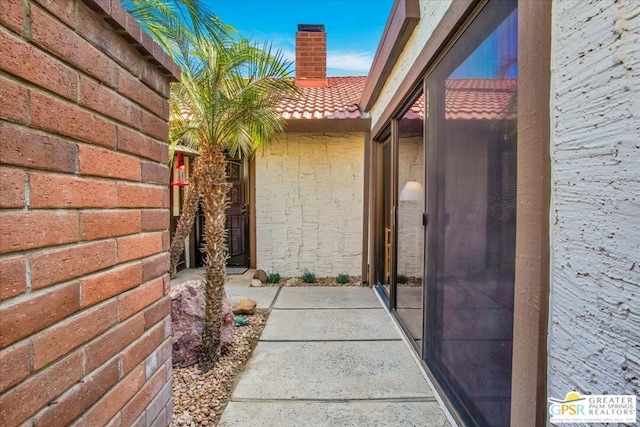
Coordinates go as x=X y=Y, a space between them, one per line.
x=342 y=278
x=273 y=277
x=308 y=277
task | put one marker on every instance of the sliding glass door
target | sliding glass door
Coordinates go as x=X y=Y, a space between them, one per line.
x=472 y=199
x=445 y=209
x=410 y=207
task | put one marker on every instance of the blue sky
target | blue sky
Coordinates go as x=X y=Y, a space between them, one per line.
x=353 y=27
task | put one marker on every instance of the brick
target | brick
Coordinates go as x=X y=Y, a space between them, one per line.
x=79 y=397
x=14 y=365
x=157 y=81
x=32 y=149
x=28 y=62
x=136 y=406
x=100 y=98
x=137 y=91
x=167 y=283
x=63 y=10
x=118 y=20
x=12 y=15
x=113 y=341
x=109 y=223
x=13 y=277
x=65 y=264
x=53 y=35
x=101 y=7
x=13 y=98
x=134 y=142
x=69 y=120
x=28 y=316
x=60 y=339
x=107 y=284
x=66 y=191
x=155 y=410
x=27 y=230
x=100 y=162
x=137 y=299
x=31 y=395
x=96 y=64
x=115 y=399
x=11 y=188
x=141 y=421
x=157 y=312
x=155 y=173
x=155 y=219
x=154 y=126
x=102 y=36
x=141 y=348
x=155 y=266
x=166 y=240
x=158 y=358
x=140 y=196
x=138 y=246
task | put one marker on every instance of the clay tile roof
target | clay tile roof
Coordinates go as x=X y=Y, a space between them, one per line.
x=337 y=100
x=479 y=99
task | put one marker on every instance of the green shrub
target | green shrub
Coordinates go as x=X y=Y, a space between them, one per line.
x=308 y=277
x=273 y=277
x=342 y=278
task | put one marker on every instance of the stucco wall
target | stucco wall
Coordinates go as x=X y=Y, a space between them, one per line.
x=309 y=190
x=431 y=12
x=594 y=331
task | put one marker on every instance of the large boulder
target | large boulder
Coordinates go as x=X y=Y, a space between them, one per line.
x=187 y=320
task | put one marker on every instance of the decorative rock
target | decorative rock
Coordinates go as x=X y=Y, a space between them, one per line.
x=291 y=282
x=243 y=305
x=255 y=283
x=260 y=275
x=187 y=321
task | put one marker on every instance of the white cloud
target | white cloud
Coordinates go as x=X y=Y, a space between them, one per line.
x=350 y=61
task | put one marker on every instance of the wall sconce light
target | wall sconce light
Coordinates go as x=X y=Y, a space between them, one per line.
x=412 y=192
x=180 y=182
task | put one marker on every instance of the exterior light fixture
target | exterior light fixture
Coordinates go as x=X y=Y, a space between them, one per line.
x=180 y=182
x=412 y=192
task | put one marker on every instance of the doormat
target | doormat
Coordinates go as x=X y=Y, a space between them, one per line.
x=236 y=270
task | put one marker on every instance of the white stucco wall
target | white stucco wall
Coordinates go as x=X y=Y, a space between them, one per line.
x=431 y=12
x=309 y=203
x=594 y=331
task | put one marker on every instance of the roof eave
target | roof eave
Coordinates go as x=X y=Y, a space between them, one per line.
x=327 y=125
x=403 y=19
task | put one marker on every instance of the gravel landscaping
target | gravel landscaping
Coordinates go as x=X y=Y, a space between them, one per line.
x=199 y=399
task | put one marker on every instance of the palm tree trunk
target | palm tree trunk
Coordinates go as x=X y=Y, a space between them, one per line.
x=215 y=189
x=186 y=220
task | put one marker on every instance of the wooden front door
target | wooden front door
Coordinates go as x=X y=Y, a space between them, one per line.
x=237 y=216
x=238 y=213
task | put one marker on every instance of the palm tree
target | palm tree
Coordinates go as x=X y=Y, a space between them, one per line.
x=224 y=105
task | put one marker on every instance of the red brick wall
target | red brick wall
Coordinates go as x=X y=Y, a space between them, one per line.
x=84 y=199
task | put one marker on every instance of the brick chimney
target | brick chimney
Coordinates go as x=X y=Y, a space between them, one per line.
x=311 y=56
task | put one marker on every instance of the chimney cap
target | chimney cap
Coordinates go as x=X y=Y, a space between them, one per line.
x=311 y=28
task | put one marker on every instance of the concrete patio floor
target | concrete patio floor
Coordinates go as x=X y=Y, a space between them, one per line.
x=328 y=356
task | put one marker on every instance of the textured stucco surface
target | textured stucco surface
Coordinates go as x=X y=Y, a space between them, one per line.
x=431 y=12
x=594 y=329
x=309 y=195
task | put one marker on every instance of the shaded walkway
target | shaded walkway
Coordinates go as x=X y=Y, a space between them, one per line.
x=329 y=356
